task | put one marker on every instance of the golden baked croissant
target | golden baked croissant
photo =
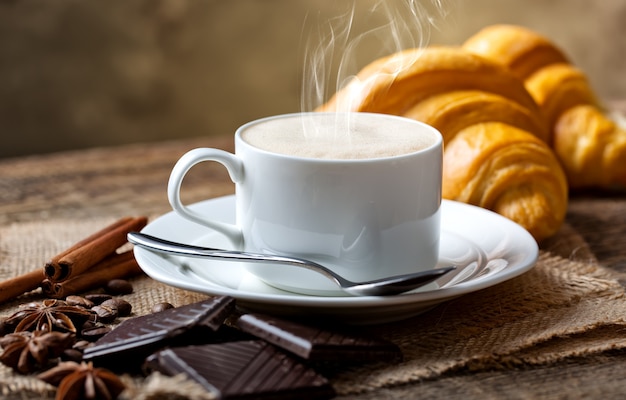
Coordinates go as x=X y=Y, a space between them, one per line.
x=509 y=171
x=393 y=84
x=590 y=146
x=495 y=152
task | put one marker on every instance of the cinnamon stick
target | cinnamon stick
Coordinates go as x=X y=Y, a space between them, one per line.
x=13 y=287
x=116 y=266
x=91 y=250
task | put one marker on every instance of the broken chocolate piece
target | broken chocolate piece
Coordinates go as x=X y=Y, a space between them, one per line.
x=318 y=344
x=126 y=346
x=243 y=370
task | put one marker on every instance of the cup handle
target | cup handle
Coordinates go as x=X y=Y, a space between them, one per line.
x=233 y=165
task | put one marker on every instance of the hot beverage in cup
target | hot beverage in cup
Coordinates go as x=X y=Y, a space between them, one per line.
x=337 y=136
x=359 y=193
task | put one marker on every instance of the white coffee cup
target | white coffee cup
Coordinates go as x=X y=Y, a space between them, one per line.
x=359 y=193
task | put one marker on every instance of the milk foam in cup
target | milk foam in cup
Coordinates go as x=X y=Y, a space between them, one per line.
x=337 y=136
x=359 y=193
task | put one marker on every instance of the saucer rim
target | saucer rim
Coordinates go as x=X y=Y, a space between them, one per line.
x=301 y=300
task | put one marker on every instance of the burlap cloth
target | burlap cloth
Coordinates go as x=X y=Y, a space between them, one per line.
x=568 y=305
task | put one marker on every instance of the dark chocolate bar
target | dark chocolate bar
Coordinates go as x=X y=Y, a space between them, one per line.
x=318 y=344
x=243 y=370
x=126 y=346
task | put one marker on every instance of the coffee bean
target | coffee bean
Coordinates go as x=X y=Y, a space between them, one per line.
x=79 y=301
x=98 y=298
x=94 y=333
x=81 y=345
x=118 y=286
x=89 y=323
x=161 y=307
x=106 y=314
x=72 y=355
x=123 y=307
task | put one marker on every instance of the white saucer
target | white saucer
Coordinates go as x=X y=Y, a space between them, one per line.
x=486 y=248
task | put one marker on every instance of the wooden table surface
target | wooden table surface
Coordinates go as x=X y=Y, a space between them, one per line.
x=132 y=180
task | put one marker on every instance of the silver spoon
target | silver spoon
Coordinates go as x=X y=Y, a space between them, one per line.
x=379 y=287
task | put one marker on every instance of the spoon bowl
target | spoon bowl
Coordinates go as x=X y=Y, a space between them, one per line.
x=379 y=287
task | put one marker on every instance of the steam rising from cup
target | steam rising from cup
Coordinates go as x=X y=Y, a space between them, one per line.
x=332 y=48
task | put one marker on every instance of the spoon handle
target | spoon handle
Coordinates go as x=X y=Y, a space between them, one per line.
x=168 y=247
x=378 y=287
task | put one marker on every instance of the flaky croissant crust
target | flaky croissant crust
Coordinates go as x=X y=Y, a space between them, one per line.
x=519 y=49
x=450 y=112
x=509 y=171
x=597 y=158
x=395 y=83
x=589 y=144
x=495 y=153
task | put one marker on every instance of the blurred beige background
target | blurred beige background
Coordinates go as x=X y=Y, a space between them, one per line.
x=80 y=73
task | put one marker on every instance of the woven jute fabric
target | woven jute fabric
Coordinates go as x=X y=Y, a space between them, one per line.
x=567 y=305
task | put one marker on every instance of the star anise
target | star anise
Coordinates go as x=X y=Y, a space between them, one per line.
x=27 y=352
x=49 y=315
x=83 y=381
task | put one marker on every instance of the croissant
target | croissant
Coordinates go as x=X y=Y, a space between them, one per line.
x=395 y=83
x=510 y=172
x=589 y=144
x=496 y=155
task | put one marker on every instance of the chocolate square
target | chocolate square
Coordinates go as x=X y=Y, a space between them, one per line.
x=126 y=346
x=243 y=370
x=316 y=343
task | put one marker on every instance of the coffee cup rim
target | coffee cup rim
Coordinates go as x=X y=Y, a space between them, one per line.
x=436 y=143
